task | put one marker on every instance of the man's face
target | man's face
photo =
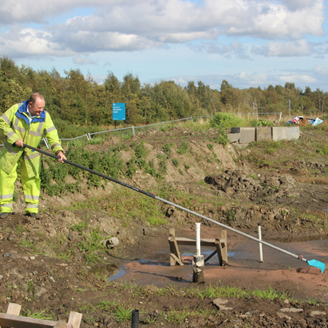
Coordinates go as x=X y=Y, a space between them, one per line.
x=37 y=108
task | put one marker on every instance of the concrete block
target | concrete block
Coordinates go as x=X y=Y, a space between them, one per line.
x=233 y=137
x=279 y=133
x=247 y=135
x=293 y=133
x=263 y=133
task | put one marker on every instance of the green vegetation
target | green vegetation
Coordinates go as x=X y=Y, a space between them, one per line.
x=226 y=120
x=80 y=105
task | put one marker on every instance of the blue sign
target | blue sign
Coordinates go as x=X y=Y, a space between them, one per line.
x=119 y=112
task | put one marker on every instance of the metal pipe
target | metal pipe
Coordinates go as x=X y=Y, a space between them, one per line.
x=260 y=245
x=198 y=252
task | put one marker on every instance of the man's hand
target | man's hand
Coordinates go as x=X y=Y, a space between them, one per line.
x=61 y=156
x=19 y=143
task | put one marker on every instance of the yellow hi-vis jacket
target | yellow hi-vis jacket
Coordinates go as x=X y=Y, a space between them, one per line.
x=15 y=125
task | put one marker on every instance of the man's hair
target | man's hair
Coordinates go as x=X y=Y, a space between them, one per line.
x=34 y=96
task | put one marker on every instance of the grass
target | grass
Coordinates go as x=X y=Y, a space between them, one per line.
x=44 y=315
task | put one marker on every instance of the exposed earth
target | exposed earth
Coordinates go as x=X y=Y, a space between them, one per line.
x=64 y=261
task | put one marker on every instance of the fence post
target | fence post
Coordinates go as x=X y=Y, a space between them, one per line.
x=280 y=116
x=133 y=131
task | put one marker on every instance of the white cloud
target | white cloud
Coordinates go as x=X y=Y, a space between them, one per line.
x=234 y=49
x=285 y=49
x=30 y=42
x=322 y=70
x=83 y=61
x=129 y=25
x=298 y=78
x=243 y=76
x=297 y=4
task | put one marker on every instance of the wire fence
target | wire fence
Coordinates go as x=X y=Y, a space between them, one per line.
x=133 y=130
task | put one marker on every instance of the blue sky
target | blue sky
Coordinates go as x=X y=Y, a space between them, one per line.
x=249 y=43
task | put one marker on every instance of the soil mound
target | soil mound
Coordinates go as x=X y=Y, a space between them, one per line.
x=236 y=184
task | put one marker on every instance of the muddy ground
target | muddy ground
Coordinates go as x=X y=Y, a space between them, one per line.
x=60 y=263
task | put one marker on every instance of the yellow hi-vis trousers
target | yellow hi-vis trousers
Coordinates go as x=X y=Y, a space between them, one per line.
x=31 y=187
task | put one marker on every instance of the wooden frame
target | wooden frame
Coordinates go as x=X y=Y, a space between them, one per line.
x=13 y=319
x=220 y=247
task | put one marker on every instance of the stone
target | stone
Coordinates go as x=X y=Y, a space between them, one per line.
x=112 y=242
x=263 y=133
x=219 y=303
x=291 y=310
x=314 y=313
x=39 y=291
x=283 y=316
x=279 y=133
x=151 y=288
x=247 y=134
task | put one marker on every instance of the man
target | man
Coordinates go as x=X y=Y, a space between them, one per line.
x=27 y=123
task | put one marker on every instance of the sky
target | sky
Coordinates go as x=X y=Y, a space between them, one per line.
x=249 y=43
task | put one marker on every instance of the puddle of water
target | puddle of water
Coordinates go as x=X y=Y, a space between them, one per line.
x=205 y=254
x=148 y=262
x=121 y=273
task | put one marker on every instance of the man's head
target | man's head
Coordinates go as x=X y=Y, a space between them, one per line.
x=36 y=104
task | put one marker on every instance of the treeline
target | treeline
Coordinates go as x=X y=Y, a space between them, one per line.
x=80 y=100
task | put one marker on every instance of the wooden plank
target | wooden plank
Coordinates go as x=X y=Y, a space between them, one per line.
x=61 y=324
x=172 y=247
x=192 y=241
x=219 y=250
x=210 y=256
x=224 y=247
x=75 y=319
x=9 y=320
x=176 y=259
x=14 y=309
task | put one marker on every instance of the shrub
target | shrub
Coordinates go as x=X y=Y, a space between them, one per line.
x=225 y=121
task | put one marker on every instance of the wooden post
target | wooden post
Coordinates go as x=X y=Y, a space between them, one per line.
x=174 y=249
x=225 y=247
x=219 y=250
x=14 y=309
x=75 y=319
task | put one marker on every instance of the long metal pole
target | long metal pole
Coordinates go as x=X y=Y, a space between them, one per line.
x=170 y=203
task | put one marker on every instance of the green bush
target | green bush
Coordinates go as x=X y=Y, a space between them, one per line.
x=226 y=120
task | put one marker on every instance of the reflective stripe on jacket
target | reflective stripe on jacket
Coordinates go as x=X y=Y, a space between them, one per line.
x=15 y=125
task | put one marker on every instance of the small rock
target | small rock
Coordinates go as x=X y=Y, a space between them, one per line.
x=286 y=301
x=220 y=301
x=224 y=308
x=151 y=288
x=6 y=254
x=314 y=313
x=291 y=310
x=1 y=276
x=70 y=236
x=32 y=257
x=40 y=291
x=112 y=242
x=283 y=316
